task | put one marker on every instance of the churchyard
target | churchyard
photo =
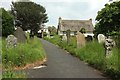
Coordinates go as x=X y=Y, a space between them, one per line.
x=97 y=46
x=19 y=52
x=93 y=52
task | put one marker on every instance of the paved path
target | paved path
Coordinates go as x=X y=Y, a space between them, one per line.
x=60 y=64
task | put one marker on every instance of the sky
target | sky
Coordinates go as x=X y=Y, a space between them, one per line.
x=66 y=9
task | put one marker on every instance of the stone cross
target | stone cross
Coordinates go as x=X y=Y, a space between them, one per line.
x=80 y=39
x=11 y=41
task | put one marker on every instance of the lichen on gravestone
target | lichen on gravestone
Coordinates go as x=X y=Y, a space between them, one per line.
x=109 y=43
x=11 y=41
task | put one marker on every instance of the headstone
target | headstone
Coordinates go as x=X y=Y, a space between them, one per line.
x=101 y=38
x=64 y=38
x=11 y=41
x=89 y=38
x=20 y=34
x=42 y=33
x=109 y=43
x=68 y=36
x=80 y=39
x=48 y=36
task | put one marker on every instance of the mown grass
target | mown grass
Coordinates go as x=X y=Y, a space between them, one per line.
x=94 y=54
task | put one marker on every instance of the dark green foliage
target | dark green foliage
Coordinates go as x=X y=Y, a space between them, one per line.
x=44 y=34
x=108 y=19
x=83 y=30
x=29 y=15
x=7 y=23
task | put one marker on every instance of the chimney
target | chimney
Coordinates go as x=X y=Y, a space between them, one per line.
x=90 y=19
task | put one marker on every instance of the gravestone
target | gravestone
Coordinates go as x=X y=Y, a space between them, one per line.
x=68 y=36
x=109 y=43
x=80 y=39
x=64 y=38
x=89 y=38
x=42 y=33
x=101 y=38
x=11 y=41
x=20 y=34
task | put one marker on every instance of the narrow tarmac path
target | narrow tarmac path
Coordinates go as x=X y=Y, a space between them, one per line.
x=60 y=64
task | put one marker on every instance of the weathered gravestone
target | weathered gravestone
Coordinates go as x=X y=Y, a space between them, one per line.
x=80 y=39
x=109 y=43
x=101 y=38
x=11 y=41
x=20 y=34
x=68 y=36
x=64 y=38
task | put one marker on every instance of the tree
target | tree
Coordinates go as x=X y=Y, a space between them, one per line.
x=0 y=22
x=7 y=23
x=108 y=19
x=52 y=30
x=29 y=15
x=83 y=30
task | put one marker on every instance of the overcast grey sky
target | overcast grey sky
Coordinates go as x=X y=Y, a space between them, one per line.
x=66 y=9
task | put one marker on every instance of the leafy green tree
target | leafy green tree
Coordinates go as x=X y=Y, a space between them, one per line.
x=108 y=19
x=7 y=23
x=29 y=15
x=0 y=22
x=52 y=30
x=83 y=30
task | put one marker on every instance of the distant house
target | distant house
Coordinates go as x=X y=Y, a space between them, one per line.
x=74 y=26
x=44 y=30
